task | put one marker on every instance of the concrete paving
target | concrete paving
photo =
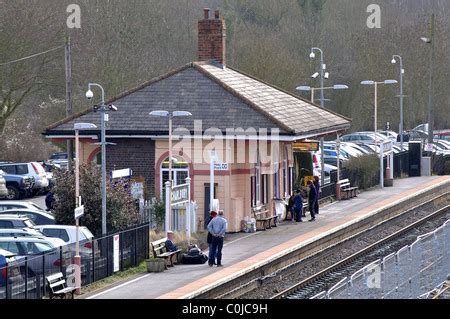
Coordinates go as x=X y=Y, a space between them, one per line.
x=246 y=250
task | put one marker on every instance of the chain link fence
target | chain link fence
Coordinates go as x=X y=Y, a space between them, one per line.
x=410 y=273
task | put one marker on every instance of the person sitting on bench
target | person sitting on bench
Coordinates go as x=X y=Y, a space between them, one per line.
x=169 y=242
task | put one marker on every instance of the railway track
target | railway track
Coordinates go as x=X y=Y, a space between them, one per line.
x=323 y=280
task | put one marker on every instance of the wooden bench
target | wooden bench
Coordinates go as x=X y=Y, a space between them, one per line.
x=160 y=250
x=263 y=217
x=58 y=286
x=346 y=188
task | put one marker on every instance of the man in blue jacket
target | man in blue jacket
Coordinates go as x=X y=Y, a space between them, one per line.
x=298 y=206
x=312 y=200
x=217 y=227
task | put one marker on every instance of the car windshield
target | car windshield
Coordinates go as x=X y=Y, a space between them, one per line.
x=37 y=248
x=29 y=223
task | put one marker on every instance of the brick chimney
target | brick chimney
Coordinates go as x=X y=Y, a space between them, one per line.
x=211 y=38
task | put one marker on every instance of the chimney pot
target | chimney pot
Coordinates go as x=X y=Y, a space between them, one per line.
x=206 y=13
x=216 y=14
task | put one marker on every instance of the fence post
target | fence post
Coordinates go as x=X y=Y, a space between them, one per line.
x=26 y=277
x=7 y=289
x=93 y=261
x=43 y=278
x=107 y=256
x=121 y=250
x=61 y=259
x=135 y=246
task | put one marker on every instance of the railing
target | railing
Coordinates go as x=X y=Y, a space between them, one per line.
x=412 y=272
x=100 y=258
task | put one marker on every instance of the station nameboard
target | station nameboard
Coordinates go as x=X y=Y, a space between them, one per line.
x=305 y=147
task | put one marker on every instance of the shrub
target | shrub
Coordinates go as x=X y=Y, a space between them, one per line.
x=363 y=170
x=120 y=205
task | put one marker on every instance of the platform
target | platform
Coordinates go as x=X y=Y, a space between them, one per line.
x=248 y=251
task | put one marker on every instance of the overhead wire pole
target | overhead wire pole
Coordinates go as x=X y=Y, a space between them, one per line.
x=69 y=104
x=430 y=89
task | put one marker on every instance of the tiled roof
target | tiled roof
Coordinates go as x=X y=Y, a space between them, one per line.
x=220 y=97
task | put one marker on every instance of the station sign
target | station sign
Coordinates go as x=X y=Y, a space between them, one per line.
x=79 y=211
x=221 y=167
x=305 y=147
x=180 y=194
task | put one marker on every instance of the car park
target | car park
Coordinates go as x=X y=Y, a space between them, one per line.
x=18 y=186
x=363 y=137
x=9 y=204
x=32 y=169
x=37 y=216
x=30 y=232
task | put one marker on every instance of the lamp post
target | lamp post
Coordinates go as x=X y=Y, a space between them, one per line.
x=312 y=55
x=104 y=118
x=170 y=115
x=77 y=259
x=402 y=72
x=334 y=87
x=430 y=40
x=375 y=84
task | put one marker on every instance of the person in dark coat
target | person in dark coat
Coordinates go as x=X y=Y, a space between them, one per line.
x=50 y=200
x=169 y=242
x=298 y=206
x=212 y=215
x=317 y=186
x=312 y=200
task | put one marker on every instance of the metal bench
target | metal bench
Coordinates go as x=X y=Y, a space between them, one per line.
x=346 y=188
x=263 y=217
x=160 y=250
x=58 y=286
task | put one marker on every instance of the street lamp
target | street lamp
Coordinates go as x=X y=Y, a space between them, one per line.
x=430 y=40
x=77 y=260
x=170 y=115
x=104 y=118
x=375 y=84
x=402 y=72
x=312 y=55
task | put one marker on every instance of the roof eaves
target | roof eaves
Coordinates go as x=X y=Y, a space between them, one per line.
x=291 y=94
x=121 y=95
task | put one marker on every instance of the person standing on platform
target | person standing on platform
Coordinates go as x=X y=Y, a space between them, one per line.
x=298 y=206
x=312 y=200
x=217 y=227
x=209 y=238
x=317 y=186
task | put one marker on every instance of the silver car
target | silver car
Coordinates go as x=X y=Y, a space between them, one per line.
x=33 y=169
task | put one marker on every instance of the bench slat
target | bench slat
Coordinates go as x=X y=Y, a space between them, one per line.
x=58 y=283
x=55 y=277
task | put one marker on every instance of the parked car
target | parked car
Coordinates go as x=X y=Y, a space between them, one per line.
x=34 y=248
x=37 y=216
x=10 y=275
x=9 y=204
x=363 y=137
x=18 y=186
x=68 y=235
x=30 y=232
x=15 y=221
x=59 y=160
x=33 y=169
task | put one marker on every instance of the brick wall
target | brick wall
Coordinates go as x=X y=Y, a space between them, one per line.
x=211 y=38
x=137 y=154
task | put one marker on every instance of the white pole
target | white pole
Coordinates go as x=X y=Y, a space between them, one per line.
x=188 y=212
x=170 y=172
x=168 y=207
x=211 y=180
x=338 y=149
x=77 y=259
x=381 y=165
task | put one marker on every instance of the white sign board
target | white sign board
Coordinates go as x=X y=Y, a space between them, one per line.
x=428 y=147
x=180 y=194
x=122 y=173
x=79 y=212
x=116 y=253
x=221 y=167
x=137 y=190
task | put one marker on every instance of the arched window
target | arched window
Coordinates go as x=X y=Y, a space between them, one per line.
x=180 y=171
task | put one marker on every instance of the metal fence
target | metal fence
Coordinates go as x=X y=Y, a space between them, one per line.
x=412 y=272
x=148 y=215
x=100 y=258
